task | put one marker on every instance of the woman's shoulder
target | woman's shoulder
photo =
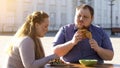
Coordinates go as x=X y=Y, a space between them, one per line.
x=26 y=40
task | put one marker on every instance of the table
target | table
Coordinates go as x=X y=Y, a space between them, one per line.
x=81 y=66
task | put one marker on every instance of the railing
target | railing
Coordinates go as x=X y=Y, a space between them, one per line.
x=8 y=27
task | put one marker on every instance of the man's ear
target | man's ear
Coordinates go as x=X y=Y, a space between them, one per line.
x=92 y=18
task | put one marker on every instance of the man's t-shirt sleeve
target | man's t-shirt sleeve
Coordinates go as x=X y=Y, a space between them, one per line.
x=106 y=42
x=60 y=37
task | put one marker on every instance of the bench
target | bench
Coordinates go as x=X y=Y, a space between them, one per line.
x=115 y=29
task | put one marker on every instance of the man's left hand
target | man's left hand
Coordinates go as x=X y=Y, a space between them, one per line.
x=93 y=44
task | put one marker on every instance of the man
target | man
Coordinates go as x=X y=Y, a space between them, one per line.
x=70 y=44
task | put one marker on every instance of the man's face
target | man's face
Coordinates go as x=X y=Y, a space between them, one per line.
x=83 y=18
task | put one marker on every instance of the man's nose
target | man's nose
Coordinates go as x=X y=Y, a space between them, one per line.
x=81 y=18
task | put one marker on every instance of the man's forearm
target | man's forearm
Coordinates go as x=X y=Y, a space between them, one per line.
x=63 y=49
x=105 y=54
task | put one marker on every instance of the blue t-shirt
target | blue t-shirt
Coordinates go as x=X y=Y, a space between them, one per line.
x=82 y=50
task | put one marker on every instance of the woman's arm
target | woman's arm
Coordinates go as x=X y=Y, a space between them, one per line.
x=27 y=54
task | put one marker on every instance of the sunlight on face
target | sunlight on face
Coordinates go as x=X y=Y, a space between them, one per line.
x=83 y=18
x=42 y=28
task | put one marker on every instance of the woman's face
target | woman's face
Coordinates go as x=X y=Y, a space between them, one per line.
x=41 y=29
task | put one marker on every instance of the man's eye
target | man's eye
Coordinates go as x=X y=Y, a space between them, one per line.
x=85 y=17
x=46 y=26
x=79 y=16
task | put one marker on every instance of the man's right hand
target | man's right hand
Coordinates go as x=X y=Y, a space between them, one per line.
x=78 y=36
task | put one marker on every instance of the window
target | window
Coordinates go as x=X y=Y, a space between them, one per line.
x=52 y=8
x=9 y=26
x=10 y=18
x=52 y=2
x=11 y=5
x=91 y=2
x=82 y=1
x=52 y=19
x=27 y=0
x=40 y=7
x=41 y=1
x=63 y=2
x=25 y=15
x=63 y=19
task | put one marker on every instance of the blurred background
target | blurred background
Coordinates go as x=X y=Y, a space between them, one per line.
x=61 y=12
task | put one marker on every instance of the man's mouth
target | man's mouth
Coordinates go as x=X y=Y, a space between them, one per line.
x=82 y=26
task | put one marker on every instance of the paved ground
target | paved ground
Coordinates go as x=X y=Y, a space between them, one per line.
x=47 y=42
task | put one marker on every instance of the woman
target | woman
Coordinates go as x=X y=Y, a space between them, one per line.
x=25 y=50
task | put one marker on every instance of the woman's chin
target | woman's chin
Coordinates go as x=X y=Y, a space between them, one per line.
x=40 y=36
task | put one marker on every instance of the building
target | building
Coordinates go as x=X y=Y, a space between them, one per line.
x=15 y=12
x=103 y=13
x=61 y=12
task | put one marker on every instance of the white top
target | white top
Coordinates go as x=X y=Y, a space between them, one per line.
x=23 y=55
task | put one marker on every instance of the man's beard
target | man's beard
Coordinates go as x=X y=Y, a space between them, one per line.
x=83 y=27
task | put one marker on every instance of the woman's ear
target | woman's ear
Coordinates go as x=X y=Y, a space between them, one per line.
x=36 y=25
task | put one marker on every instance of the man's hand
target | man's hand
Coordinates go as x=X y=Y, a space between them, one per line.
x=103 y=53
x=93 y=44
x=78 y=36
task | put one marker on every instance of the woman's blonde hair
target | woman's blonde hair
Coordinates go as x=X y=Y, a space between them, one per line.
x=28 y=29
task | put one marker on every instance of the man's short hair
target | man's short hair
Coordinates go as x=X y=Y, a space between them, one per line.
x=85 y=6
